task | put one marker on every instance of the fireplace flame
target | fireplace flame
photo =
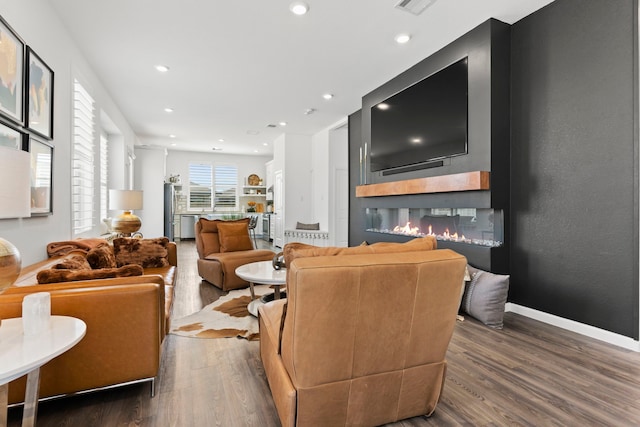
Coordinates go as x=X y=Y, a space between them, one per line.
x=407 y=229
x=415 y=231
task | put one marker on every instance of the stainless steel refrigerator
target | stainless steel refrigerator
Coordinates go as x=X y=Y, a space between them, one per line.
x=169 y=210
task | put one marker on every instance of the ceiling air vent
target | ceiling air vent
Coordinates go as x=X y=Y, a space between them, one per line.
x=414 y=6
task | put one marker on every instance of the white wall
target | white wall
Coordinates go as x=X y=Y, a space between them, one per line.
x=320 y=179
x=149 y=177
x=38 y=25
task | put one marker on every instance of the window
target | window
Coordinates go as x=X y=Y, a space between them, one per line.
x=200 y=186
x=226 y=182
x=104 y=175
x=83 y=173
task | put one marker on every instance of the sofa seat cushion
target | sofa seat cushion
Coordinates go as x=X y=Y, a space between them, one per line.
x=220 y=269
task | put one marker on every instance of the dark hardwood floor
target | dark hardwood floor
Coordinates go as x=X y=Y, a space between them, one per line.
x=528 y=374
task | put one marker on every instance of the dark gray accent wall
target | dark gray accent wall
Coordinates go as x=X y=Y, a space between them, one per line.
x=574 y=186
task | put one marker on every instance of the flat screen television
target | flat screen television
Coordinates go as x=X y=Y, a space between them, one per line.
x=422 y=123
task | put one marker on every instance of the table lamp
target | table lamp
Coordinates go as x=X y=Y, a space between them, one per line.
x=15 y=202
x=127 y=200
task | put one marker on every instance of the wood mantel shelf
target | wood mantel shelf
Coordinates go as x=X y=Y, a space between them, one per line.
x=467 y=181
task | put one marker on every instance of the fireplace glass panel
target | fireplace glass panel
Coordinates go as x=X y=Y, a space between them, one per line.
x=484 y=227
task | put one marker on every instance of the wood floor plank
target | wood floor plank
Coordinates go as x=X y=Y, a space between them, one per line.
x=528 y=374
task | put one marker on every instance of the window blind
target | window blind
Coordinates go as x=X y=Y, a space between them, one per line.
x=82 y=185
x=226 y=182
x=200 y=186
x=104 y=175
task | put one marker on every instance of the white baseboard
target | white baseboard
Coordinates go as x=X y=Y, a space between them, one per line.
x=580 y=328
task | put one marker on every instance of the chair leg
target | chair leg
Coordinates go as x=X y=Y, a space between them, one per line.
x=253 y=234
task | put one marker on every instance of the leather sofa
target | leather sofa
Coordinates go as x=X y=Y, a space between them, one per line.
x=127 y=319
x=361 y=339
x=218 y=259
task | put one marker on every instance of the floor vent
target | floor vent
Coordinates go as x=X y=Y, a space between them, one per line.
x=415 y=6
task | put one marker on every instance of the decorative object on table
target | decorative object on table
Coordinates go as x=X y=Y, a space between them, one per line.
x=128 y=200
x=36 y=313
x=11 y=72
x=253 y=179
x=278 y=261
x=40 y=100
x=227 y=317
x=41 y=177
x=252 y=206
x=15 y=175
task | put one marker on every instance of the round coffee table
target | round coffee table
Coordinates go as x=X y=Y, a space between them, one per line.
x=262 y=273
x=24 y=354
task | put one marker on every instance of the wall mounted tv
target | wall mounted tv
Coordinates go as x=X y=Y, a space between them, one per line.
x=424 y=122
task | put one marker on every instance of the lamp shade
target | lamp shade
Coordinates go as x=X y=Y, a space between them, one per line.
x=126 y=200
x=15 y=191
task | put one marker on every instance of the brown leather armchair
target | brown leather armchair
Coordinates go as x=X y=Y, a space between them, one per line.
x=219 y=255
x=361 y=339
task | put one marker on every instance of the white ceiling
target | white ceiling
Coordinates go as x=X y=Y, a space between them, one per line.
x=237 y=66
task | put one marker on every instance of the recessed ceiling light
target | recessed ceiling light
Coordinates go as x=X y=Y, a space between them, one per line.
x=416 y=140
x=173 y=144
x=327 y=96
x=402 y=38
x=168 y=110
x=266 y=144
x=253 y=132
x=255 y=151
x=282 y=123
x=172 y=136
x=299 y=8
x=221 y=140
x=382 y=106
x=162 y=68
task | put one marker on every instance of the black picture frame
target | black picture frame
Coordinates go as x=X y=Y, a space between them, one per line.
x=41 y=176
x=12 y=137
x=39 y=96
x=11 y=74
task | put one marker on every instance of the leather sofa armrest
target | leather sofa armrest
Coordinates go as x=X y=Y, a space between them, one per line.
x=122 y=343
x=173 y=253
x=273 y=316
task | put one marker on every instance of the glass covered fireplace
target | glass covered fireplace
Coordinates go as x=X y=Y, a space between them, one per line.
x=482 y=227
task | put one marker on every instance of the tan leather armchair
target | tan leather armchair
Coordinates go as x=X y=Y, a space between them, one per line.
x=217 y=265
x=361 y=339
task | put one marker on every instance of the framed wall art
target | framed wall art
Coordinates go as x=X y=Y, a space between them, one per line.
x=12 y=51
x=39 y=87
x=41 y=177
x=12 y=138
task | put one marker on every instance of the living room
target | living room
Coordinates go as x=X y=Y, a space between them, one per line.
x=572 y=201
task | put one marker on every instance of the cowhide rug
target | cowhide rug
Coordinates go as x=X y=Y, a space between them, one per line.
x=226 y=317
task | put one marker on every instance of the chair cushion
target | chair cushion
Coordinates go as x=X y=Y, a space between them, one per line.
x=102 y=257
x=207 y=239
x=234 y=237
x=144 y=252
x=485 y=297
x=75 y=262
x=57 y=275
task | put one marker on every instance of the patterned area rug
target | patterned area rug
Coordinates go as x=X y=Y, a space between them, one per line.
x=225 y=318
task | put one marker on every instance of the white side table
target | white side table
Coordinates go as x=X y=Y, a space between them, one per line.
x=20 y=355
x=262 y=273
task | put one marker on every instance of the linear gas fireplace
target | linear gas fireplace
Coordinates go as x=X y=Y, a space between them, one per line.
x=473 y=226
